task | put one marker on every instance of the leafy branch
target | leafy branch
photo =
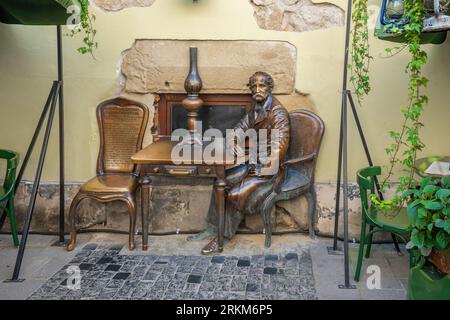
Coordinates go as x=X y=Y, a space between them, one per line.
x=360 y=49
x=407 y=142
x=86 y=26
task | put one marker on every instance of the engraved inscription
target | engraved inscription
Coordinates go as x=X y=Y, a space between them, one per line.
x=121 y=131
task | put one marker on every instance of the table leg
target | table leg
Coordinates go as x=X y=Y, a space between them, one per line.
x=144 y=182
x=219 y=188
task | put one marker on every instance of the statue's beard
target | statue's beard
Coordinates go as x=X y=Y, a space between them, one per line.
x=260 y=97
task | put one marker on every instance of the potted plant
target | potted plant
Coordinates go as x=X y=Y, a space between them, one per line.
x=429 y=215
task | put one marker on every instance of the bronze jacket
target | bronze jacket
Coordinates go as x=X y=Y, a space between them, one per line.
x=246 y=191
x=272 y=116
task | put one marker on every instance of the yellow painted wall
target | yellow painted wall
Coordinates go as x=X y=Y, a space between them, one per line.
x=28 y=65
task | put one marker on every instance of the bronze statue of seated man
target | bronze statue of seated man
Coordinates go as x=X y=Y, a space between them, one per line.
x=249 y=184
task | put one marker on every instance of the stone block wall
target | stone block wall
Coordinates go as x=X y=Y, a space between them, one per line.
x=180 y=205
x=296 y=15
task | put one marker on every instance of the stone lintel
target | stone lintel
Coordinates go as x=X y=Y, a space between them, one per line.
x=161 y=66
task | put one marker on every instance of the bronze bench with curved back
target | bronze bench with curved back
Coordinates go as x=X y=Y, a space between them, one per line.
x=306 y=135
x=122 y=124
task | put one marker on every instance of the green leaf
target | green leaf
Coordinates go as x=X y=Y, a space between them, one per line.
x=446 y=211
x=422 y=212
x=442 y=239
x=412 y=214
x=440 y=223
x=432 y=205
x=425 y=181
x=417 y=238
x=429 y=190
x=443 y=194
x=410 y=192
x=447 y=226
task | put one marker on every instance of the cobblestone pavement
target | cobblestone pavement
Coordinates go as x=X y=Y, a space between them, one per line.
x=107 y=274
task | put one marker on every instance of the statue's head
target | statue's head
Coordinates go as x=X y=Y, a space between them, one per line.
x=261 y=85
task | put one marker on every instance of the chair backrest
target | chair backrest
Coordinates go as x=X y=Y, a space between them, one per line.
x=365 y=178
x=122 y=123
x=307 y=130
x=12 y=160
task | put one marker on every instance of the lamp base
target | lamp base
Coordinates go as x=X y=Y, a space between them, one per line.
x=436 y=23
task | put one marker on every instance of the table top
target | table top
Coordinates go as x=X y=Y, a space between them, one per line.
x=160 y=152
x=423 y=163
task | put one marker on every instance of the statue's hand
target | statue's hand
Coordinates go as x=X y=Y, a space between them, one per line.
x=254 y=170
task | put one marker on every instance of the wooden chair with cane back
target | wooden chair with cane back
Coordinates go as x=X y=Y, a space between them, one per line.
x=122 y=124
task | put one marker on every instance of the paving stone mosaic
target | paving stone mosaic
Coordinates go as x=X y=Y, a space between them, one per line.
x=106 y=274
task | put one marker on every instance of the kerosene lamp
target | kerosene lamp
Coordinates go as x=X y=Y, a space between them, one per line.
x=192 y=103
x=395 y=9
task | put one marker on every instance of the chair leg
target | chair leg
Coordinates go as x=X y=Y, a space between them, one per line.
x=267 y=228
x=267 y=208
x=131 y=203
x=394 y=239
x=72 y=218
x=361 y=250
x=12 y=220
x=311 y=197
x=369 y=241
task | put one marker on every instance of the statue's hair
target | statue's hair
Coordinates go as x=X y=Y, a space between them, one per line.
x=268 y=79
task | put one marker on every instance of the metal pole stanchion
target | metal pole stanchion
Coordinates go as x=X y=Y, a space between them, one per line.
x=26 y=228
x=61 y=241
x=343 y=152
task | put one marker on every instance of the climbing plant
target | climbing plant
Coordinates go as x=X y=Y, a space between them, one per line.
x=360 y=49
x=406 y=141
x=85 y=26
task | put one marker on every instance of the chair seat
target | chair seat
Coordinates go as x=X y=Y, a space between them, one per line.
x=391 y=221
x=294 y=180
x=111 y=183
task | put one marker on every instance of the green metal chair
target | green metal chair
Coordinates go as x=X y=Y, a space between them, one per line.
x=393 y=222
x=7 y=190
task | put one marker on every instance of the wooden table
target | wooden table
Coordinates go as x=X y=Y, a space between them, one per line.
x=156 y=160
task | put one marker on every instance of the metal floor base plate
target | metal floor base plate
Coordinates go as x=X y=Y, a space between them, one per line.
x=12 y=281
x=333 y=252
x=57 y=243
x=342 y=286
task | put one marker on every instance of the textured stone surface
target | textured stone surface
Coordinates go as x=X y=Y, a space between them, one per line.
x=107 y=274
x=46 y=211
x=224 y=66
x=296 y=15
x=116 y=5
x=182 y=205
x=296 y=101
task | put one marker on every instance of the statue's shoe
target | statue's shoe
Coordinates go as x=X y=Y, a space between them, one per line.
x=211 y=247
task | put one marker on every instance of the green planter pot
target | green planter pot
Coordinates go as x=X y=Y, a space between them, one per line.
x=35 y=12
x=427 y=283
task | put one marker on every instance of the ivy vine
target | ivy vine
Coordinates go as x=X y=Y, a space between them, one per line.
x=360 y=49
x=407 y=142
x=86 y=26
